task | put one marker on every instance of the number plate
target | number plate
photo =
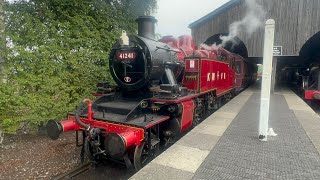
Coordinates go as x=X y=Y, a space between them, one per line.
x=126 y=55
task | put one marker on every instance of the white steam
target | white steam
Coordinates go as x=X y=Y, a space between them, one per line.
x=211 y=47
x=249 y=24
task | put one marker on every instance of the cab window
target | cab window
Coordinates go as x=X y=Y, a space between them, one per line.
x=222 y=57
x=231 y=64
x=238 y=67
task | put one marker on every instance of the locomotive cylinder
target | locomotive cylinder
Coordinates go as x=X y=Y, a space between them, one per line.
x=117 y=144
x=54 y=129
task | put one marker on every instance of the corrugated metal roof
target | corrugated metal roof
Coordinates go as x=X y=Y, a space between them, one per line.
x=216 y=12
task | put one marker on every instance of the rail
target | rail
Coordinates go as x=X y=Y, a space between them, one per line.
x=74 y=172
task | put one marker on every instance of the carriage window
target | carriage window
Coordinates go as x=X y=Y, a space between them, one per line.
x=231 y=65
x=238 y=67
x=222 y=57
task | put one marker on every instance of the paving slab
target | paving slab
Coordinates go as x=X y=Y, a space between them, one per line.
x=214 y=130
x=218 y=121
x=199 y=140
x=182 y=157
x=240 y=155
x=222 y=114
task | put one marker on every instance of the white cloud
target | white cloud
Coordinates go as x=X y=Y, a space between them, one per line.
x=174 y=16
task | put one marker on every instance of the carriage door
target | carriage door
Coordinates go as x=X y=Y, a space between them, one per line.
x=232 y=71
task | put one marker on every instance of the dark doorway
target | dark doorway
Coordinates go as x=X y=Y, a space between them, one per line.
x=236 y=46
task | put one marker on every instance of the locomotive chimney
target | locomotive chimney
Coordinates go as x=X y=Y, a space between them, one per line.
x=146 y=26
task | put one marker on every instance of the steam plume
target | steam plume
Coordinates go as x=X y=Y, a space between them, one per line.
x=211 y=47
x=249 y=24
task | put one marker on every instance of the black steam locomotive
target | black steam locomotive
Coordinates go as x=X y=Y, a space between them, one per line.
x=164 y=88
x=121 y=124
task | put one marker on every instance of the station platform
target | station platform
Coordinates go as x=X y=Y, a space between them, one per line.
x=226 y=144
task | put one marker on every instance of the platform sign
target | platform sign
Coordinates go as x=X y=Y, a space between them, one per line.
x=277 y=50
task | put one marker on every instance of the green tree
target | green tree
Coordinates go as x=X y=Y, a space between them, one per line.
x=2 y=40
x=136 y=7
x=57 y=52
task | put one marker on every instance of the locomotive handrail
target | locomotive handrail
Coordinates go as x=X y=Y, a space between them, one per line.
x=168 y=49
x=77 y=115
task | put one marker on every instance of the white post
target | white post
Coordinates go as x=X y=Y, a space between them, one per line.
x=266 y=79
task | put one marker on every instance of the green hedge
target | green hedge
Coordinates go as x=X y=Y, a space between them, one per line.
x=57 y=52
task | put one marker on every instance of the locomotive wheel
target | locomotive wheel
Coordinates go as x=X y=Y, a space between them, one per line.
x=219 y=102
x=141 y=156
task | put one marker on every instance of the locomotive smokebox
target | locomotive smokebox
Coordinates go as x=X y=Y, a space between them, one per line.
x=146 y=26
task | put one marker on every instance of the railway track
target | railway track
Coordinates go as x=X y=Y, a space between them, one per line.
x=74 y=172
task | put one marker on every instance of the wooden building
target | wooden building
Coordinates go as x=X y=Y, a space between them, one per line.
x=297 y=26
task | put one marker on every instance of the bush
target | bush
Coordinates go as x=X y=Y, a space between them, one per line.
x=57 y=51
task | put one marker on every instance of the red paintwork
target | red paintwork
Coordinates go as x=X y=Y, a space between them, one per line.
x=90 y=113
x=132 y=135
x=69 y=125
x=214 y=76
x=310 y=94
x=209 y=74
x=184 y=44
x=187 y=114
x=129 y=137
x=191 y=76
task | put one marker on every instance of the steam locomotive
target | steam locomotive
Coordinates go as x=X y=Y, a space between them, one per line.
x=164 y=88
x=311 y=82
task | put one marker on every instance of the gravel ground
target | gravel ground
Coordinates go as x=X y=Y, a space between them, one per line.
x=37 y=156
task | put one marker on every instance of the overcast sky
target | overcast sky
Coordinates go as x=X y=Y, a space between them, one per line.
x=174 y=16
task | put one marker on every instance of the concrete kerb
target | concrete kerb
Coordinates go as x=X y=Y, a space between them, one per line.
x=309 y=120
x=198 y=142
x=154 y=171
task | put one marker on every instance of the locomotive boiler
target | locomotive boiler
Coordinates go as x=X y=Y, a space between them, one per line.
x=164 y=88
x=142 y=61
